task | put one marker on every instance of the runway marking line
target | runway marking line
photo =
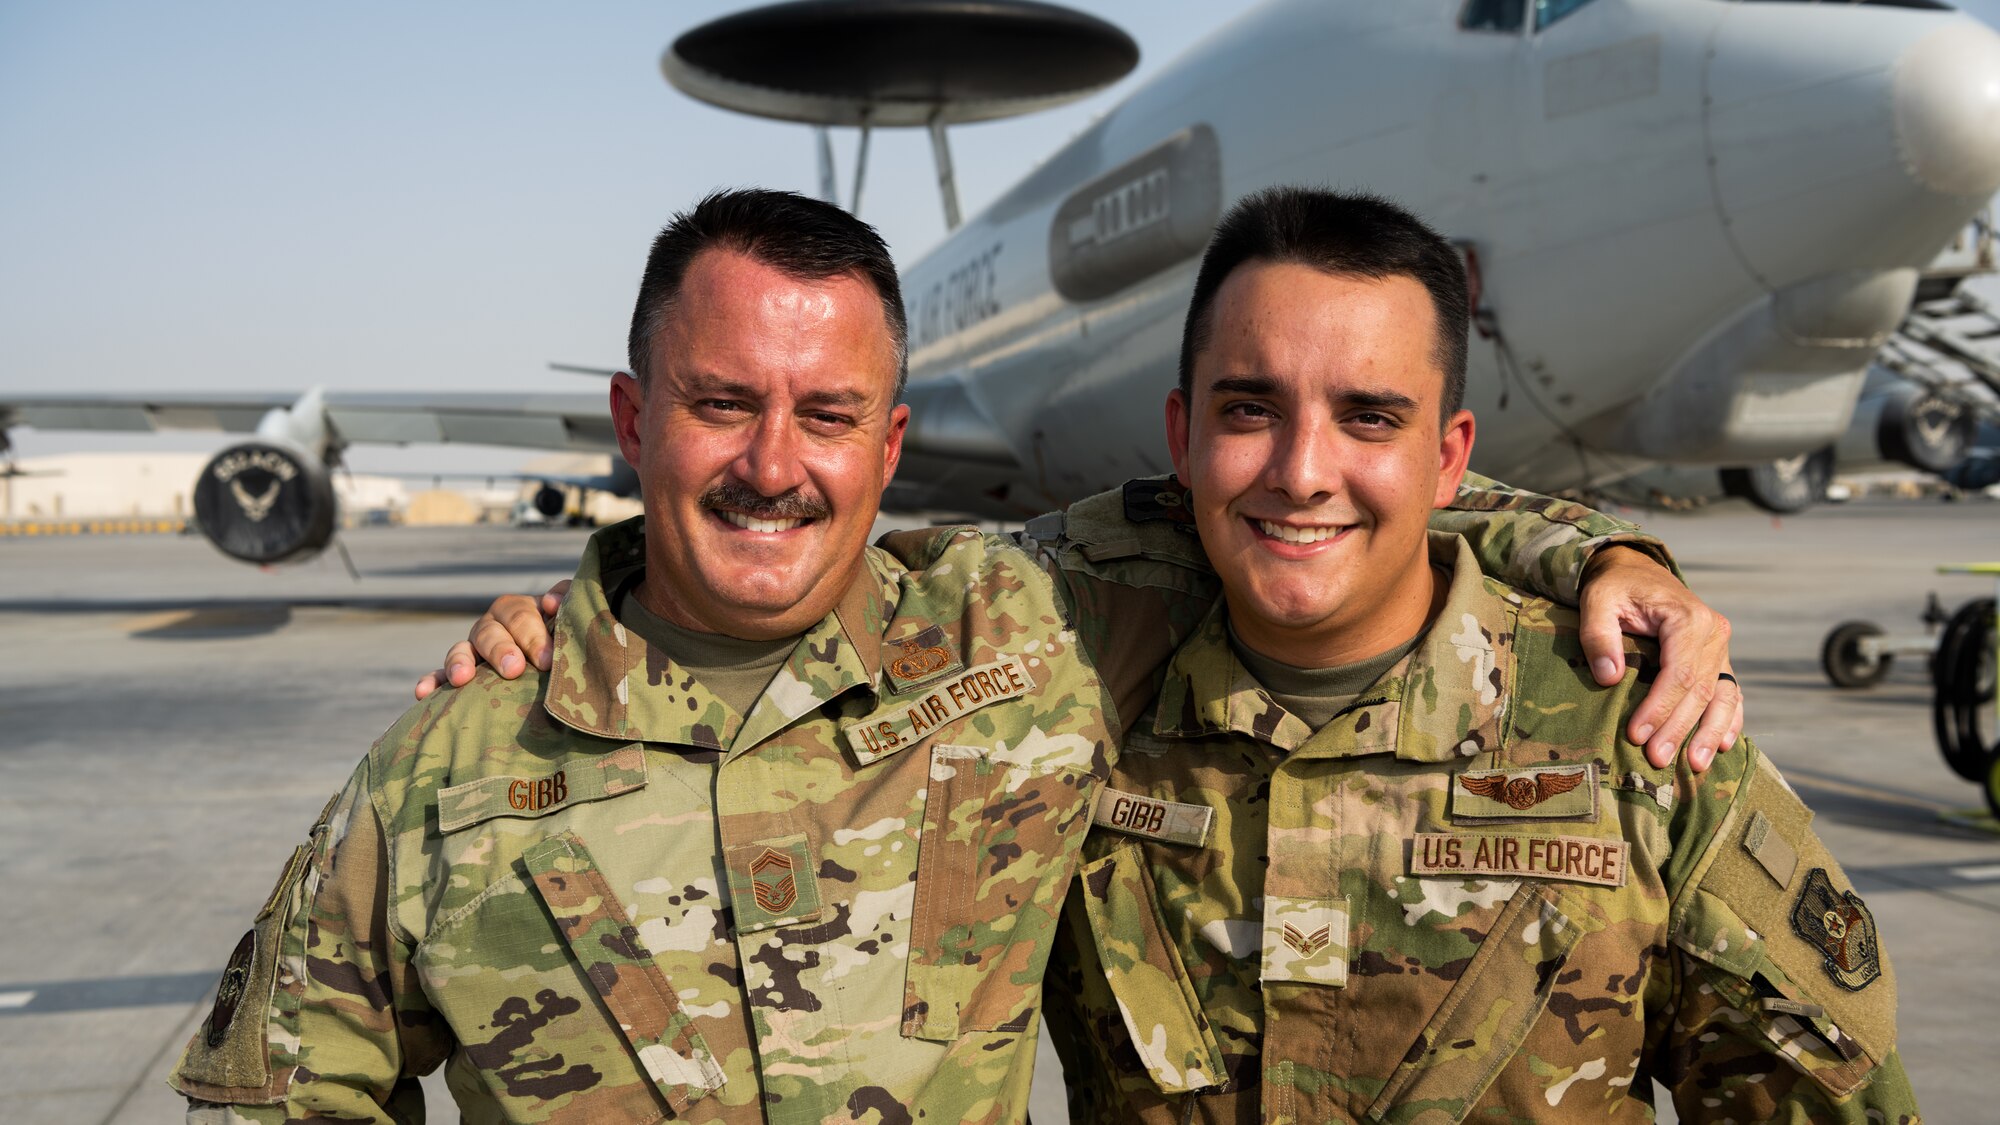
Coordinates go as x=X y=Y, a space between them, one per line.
x=16 y=999
x=1979 y=873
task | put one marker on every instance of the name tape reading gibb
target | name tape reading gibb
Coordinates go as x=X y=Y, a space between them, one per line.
x=946 y=702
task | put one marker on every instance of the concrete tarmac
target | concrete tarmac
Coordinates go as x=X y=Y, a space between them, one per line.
x=170 y=724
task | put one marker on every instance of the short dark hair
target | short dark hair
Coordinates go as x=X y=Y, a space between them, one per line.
x=1338 y=233
x=805 y=238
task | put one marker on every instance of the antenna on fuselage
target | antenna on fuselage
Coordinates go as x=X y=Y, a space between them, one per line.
x=898 y=64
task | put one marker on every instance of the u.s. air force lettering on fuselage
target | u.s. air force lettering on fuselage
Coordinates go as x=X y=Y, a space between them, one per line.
x=966 y=296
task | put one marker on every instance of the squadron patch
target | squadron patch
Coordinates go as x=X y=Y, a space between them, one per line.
x=922 y=658
x=1540 y=793
x=229 y=992
x=1838 y=925
x=1150 y=500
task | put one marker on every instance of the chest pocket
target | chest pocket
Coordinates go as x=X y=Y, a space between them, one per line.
x=554 y=996
x=1487 y=1014
x=999 y=844
x=1162 y=1014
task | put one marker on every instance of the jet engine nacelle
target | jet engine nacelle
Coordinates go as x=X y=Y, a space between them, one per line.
x=266 y=502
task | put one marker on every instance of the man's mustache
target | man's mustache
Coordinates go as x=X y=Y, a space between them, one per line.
x=736 y=496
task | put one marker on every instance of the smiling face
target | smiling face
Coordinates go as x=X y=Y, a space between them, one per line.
x=763 y=439
x=1311 y=445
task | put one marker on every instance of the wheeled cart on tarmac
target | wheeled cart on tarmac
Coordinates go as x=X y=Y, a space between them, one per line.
x=1965 y=708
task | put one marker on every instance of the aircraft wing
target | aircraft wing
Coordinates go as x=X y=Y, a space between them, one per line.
x=531 y=420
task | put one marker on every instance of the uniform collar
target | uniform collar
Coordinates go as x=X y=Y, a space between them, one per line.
x=1448 y=699
x=605 y=680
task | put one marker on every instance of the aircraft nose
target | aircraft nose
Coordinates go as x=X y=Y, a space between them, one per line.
x=1947 y=110
x=1845 y=137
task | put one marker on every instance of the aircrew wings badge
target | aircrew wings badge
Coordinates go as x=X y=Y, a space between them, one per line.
x=1838 y=924
x=1545 y=793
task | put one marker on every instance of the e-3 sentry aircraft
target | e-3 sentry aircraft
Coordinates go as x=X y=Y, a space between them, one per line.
x=1691 y=224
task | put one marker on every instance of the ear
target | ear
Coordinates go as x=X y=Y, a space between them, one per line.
x=1179 y=418
x=892 y=446
x=627 y=404
x=1454 y=451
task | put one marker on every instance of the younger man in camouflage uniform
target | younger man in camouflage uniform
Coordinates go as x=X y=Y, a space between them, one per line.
x=1380 y=850
x=784 y=831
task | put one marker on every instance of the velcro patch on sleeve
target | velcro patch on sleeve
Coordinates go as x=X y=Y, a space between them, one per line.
x=1536 y=793
x=1575 y=859
x=1778 y=857
x=946 y=702
x=1139 y=815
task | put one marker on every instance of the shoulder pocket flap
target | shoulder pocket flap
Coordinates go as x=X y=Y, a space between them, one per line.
x=1103 y=529
x=230 y=1057
x=1488 y=1013
x=621 y=970
x=572 y=781
x=1162 y=1014
x=1808 y=931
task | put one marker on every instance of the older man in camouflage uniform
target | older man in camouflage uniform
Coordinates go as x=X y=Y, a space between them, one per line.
x=1380 y=850
x=648 y=883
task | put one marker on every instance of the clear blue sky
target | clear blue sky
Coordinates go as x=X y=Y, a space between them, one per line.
x=224 y=194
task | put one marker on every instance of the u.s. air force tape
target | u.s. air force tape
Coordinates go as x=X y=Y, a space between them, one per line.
x=946 y=701
x=1153 y=818
x=1578 y=859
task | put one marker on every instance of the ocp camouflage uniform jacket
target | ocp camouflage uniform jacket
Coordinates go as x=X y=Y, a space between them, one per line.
x=1467 y=897
x=505 y=883
x=598 y=896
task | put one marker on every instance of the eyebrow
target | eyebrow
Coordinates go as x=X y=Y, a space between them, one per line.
x=717 y=385
x=851 y=399
x=1265 y=385
x=1244 y=385
x=1379 y=400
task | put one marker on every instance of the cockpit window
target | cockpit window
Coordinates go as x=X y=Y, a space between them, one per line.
x=1549 y=11
x=1492 y=15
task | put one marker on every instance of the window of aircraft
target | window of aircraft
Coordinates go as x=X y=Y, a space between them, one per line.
x=1549 y=11
x=1492 y=15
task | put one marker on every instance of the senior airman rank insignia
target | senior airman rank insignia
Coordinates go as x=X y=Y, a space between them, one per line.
x=924 y=658
x=1840 y=927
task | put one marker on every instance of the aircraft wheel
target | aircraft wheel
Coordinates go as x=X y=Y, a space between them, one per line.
x=1846 y=663
x=1962 y=679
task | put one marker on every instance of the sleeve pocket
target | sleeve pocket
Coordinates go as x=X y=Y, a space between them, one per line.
x=1143 y=969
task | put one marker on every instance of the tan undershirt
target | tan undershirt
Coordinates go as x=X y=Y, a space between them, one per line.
x=736 y=671
x=1316 y=695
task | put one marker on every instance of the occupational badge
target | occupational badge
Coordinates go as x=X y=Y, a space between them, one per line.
x=922 y=658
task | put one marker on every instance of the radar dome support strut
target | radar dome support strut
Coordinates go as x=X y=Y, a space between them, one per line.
x=897 y=64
